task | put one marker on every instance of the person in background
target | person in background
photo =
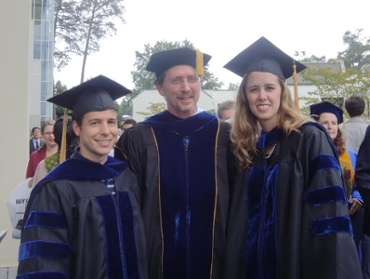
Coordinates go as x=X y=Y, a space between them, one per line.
x=288 y=214
x=49 y=148
x=355 y=127
x=331 y=116
x=127 y=124
x=226 y=110
x=180 y=158
x=362 y=179
x=36 y=140
x=52 y=161
x=83 y=219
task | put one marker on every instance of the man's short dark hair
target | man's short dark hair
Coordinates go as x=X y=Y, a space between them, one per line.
x=355 y=105
x=35 y=128
x=228 y=104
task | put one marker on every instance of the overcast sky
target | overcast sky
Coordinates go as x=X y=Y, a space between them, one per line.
x=222 y=29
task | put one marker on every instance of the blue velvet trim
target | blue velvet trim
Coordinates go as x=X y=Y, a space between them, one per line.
x=326 y=195
x=261 y=241
x=42 y=275
x=46 y=219
x=116 y=264
x=266 y=139
x=44 y=249
x=127 y=217
x=78 y=167
x=323 y=162
x=187 y=193
x=334 y=224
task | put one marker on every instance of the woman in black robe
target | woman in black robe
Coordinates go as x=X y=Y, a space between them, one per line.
x=288 y=215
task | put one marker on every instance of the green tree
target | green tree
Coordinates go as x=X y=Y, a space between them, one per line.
x=335 y=85
x=357 y=53
x=80 y=25
x=66 y=32
x=233 y=86
x=143 y=79
x=58 y=88
x=152 y=109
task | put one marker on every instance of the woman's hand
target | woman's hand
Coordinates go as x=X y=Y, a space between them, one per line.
x=356 y=206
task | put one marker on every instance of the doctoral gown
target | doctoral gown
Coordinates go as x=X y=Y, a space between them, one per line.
x=289 y=216
x=182 y=169
x=78 y=228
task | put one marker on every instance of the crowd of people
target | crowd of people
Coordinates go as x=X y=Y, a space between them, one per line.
x=256 y=191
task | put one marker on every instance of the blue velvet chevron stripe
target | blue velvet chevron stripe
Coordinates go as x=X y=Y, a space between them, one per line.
x=323 y=162
x=334 y=224
x=43 y=249
x=127 y=217
x=42 y=275
x=46 y=219
x=116 y=265
x=326 y=195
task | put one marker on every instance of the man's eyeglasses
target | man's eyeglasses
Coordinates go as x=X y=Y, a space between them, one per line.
x=180 y=80
x=48 y=133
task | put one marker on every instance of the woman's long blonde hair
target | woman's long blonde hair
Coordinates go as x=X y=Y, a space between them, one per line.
x=246 y=129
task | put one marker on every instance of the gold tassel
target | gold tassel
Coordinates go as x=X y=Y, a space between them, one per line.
x=295 y=80
x=199 y=67
x=63 y=147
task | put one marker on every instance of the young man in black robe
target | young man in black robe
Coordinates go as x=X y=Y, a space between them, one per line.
x=180 y=159
x=83 y=219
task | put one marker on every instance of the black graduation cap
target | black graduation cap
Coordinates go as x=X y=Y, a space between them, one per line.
x=162 y=61
x=96 y=94
x=326 y=106
x=264 y=56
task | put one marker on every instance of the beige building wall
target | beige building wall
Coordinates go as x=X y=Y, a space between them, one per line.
x=14 y=57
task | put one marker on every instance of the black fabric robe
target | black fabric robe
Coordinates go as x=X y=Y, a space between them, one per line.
x=182 y=169
x=75 y=228
x=362 y=177
x=289 y=216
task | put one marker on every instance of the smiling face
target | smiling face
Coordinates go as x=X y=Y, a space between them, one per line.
x=48 y=136
x=330 y=122
x=181 y=97
x=263 y=92
x=97 y=134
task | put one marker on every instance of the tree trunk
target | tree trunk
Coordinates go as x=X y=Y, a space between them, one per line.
x=87 y=42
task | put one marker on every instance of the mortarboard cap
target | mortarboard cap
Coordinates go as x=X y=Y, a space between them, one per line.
x=322 y=107
x=162 y=61
x=264 y=56
x=96 y=94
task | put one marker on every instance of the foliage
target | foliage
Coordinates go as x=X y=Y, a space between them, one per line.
x=233 y=86
x=334 y=82
x=80 y=25
x=212 y=111
x=152 y=109
x=357 y=54
x=143 y=79
x=58 y=88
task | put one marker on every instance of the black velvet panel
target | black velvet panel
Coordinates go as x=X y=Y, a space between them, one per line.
x=187 y=151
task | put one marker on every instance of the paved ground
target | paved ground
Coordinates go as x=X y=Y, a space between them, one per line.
x=8 y=272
